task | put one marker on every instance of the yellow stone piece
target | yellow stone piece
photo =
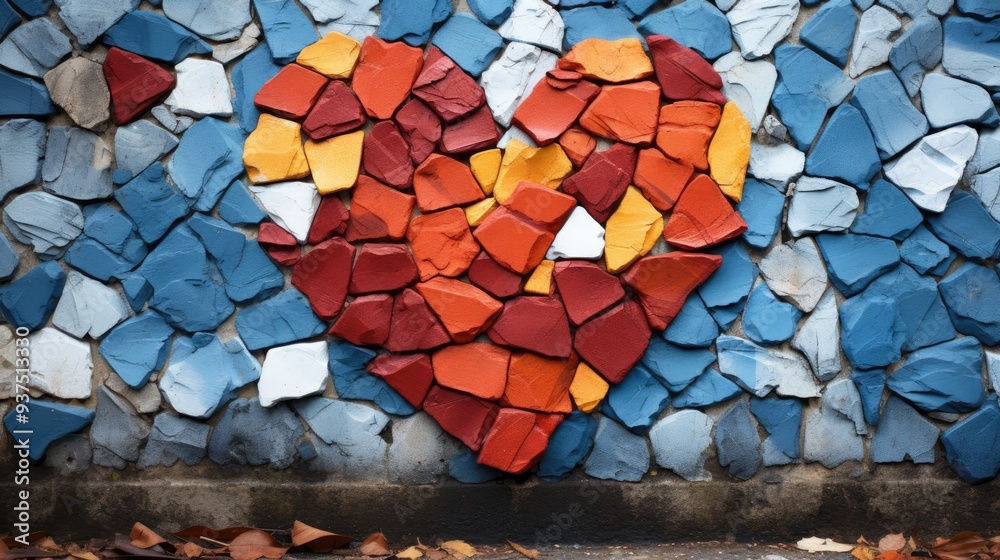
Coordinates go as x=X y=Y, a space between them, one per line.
x=588 y=388
x=334 y=56
x=335 y=162
x=631 y=231
x=729 y=152
x=547 y=166
x=618 y=61
x=273 y=151
x=485 y=166
x=476 y=213
x=540 y=281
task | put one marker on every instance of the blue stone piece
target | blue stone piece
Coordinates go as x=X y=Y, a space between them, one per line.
x=110 y=245
x=696 y=24
x=137 y=146
x=636 y=8
x=854 y=261
x=830 y=31
x=919 y=310
x=869 y=332
x=249 y=434
x=761 y=208
x=23 y=97
x=21 y=159
x=174 y=438
x=411 y=20
x=923 y=251
x=352 y=381
x=674 y=366
x=491 y=12
x=888 y=213
x=30 y=300
x=138 y=347
x=983 y=8
x=286 y=317
x=870 y=384
x=9 y=258
x=894 y=121
x=942 y=378
x=248 y=75
x=205 y=373
x=48 y=421
x=569 y=444
x=208 y=159
x=239 y=207
x=782 y=418
x=768 y=320
x=137 y=290
x=77 y=164
x=464 y=468
x=287 y=29
x=186 y=289
x=808 y=86
x=973 y=444
x=618 y=454
x=737 y=442
x=949 y=101
x=637 y=401
x=725 y=292
x=709 y=388
x=471 y=44
x=248 y=271
x=87 y=20
x=693 y=327
x=152 y=203
x=971 y=294
x=916 y=51
x=845 y=150
x=971 y=50
x=967 y=226
x=8 y=18
x=34 y=48
x=33 y=8
x=602 y=22
x=153 y=36
x=903 y=433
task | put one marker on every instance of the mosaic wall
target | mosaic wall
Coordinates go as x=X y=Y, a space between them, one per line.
x=409 y=240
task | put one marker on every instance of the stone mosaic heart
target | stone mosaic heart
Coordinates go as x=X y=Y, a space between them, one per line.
x=526 y=282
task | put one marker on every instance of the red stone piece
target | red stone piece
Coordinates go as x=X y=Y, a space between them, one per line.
x=409 y=374
x=702 y=217
x=517 y=440
x=664 y=282
x=686 y=129
x=136 y=84
x=475 y=132
x=384 y=75
x=626 y=113
x=586 y=289
x=683 y=73
x=464 y=310
x=330 y=219
x=442 y=182
x=383 y=267
x=414 y=326
x=378 y=212
x=365 y=321
x=660 y=178
x=323 y=275
x=463 y=416
x=495 y=279
x=291 y=93
x=578 y=145
x=602 y=181
x=280 y=245
x=337 y=111
x=446 y=88
x=554 y=105
x=386 y=156
x=476 y=368
x=614 y=341
x=442 y=243
x=420 y=127
x=534 y=323
x=538 y=383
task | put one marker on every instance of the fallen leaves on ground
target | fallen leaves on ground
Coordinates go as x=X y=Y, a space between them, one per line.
x=966 y=545
x=816 y=544
x=144 y=537
x=526 y=552
x=255 y=544
x=317 y=540
x=376 y=545
x=461 y=549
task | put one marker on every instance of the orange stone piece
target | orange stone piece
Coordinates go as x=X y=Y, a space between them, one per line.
x=686 y=129
x=578 y=145
x=553 y=106
x=660 y=178
x=291 y=93
x=384 y=75
x=378 y=211
x=517 y=440
x=539 y=383
x=442 y=243
x=626 y=113
x=476 y=368
x=464 y=310
x=442 y=182
x=702 y=217
x=623 y=60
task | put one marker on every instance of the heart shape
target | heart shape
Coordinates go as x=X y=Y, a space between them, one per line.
x=526 y=282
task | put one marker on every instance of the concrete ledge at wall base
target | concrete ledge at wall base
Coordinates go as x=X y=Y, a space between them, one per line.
x=575 y=511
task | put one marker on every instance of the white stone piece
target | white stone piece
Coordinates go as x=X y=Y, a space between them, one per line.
x=8 y=363
x=291 y=205
x=353 y=18
x=929 y=171
x=292 y=372
x=872 y=40
x=681 y=443
x=795 y=271
x=535 y=22
x=60 y=364
x=248 y=39
x=776 y=165
x=821 y=205
x=759 y=25
x=993 y=370
x=842 y=396
x=515 y=133
x=581 y=237
x=509 y=79
x=818 y=338
x=88 y=307
x=749 y=84
x=202 y=90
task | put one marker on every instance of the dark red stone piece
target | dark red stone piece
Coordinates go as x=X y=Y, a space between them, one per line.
x=383 y=267
x=495 y=279
x=586 y=289
x=280 y=245
x=421 y=128
x=614 y=341
x=337 y=111
x=330 y=219
x=602 y=181
x=664 y=282
x=136 y=84
x=683 y=73
x=386 y=156
x=517 y=440
x=410 y=375
x=446 y=88
x=414 y=325
x=466 y=417
x=323 y=275
x=534 y=323
x=365 y=321
x=475 y=132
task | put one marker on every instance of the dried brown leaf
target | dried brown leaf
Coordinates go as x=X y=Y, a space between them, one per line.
x=254 y=544
x=893 y=555
x=816 y=544
x=895 y=541
x=191 y=550
x=864 y=552
x=124 y=547
x=48 y=544
x=144 y=537
x=317 y=540
x=966 y=545
x=33 y=538
x=459 y=548
x=526 y=552
x=200 y=531
x=411 y=553
x=375 y=545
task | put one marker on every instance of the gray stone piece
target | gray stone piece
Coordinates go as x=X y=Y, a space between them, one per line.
x=87 y=20
x=78 y=164
x=174 y=123
x=872 y=40
x=23 y=142
x=930 y=170
x=137 y=146
x=249 y=434
x=842 y=396
x=88 y=307
x=47 y=222
x=749 y=84
x=903 y=433
x=34 y=48
x=174 y=438
x=61 y=365
x=211 y=19
x=821 y=205
x=352 y=437
x=795 y=270
x=117 y=432
x=681 y=443
x=818 y=338
x=759 y=25
x=420 y=450
x=79 y=87
x=737 y=441
x=69 y=455
x=146 y=400
x=831 y=438
x=618 y=454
